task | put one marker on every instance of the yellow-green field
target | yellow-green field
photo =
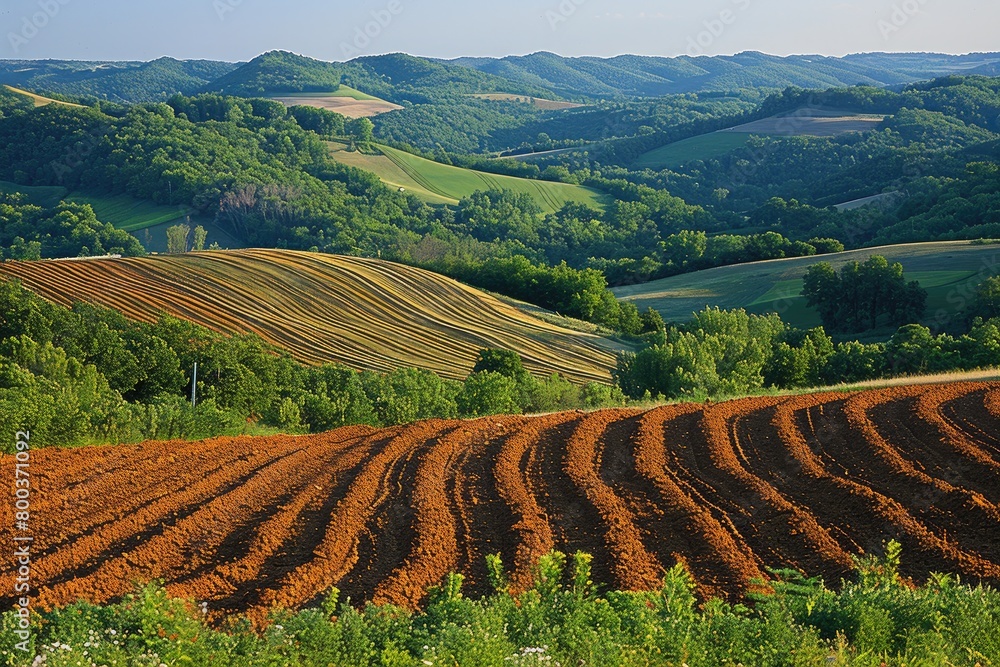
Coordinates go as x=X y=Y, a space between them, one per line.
x=445 y=184
x=363 y=313
x=40 y=100
x=949 y=271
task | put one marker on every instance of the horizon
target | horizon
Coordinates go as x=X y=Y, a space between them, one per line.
x=512 y=55
x=238 y=30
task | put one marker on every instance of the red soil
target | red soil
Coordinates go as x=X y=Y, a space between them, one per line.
x=729 y=490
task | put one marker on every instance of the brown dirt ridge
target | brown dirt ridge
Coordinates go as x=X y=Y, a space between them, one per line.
x=729 y=490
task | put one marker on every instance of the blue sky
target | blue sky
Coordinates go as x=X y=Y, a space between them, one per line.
x=333 y=30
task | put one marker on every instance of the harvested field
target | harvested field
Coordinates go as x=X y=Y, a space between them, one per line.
x=345 y=101
x=363 y=313
x=538 y=102
x=730 y=490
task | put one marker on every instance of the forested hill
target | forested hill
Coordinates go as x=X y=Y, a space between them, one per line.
x=643 y=76
x=397 y=77
x=403 y=78
x=115 y=81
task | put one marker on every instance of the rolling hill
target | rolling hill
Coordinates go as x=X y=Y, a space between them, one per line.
x=446 y=184
x=365 y=314
x=399 y=77
x=729 y=490
x=115 y=81
x=644 y=76
x=949 y=271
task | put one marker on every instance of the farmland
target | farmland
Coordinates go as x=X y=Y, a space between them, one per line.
x=122 y=211
x=805 y=122
x=345 y=101
x=543 y=104
x=949 y=271
x=727 y=489
x=129 y=213
x=442 y=183
x=363 y=313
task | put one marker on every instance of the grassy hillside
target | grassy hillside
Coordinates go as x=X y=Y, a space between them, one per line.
x=122 y=211
x=387 y=170
x=129 y=213
x=949 y=271
x=804 y=122
x=445 y=184
x=365 y=314
x=41 y=195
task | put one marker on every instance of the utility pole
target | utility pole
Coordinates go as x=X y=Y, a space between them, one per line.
x=194 y=386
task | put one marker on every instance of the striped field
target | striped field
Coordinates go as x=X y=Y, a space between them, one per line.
x=362 y=313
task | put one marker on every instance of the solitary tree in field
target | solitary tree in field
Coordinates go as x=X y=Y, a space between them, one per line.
x=177 y=238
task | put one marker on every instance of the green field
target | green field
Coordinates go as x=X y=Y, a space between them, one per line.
x=343 y=91
x=702 y=147
x=129 y=213
x=813 y=122
x=949 y=271
x=41 y=195
x=440 y=183
x=122 y=211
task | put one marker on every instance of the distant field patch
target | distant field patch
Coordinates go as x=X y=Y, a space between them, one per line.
x=804 y=122
x=40 y=195
x=949 y=271
x=388 y=171
x=456 y=183
x=129 y=213
x=543 y=104
x=703 y=147
x=439 y=183
x=345 y=101
x=41 y=100
x=812 y=123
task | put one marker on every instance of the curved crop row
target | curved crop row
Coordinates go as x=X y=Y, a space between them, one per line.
x=729 y=490
x=363 y=313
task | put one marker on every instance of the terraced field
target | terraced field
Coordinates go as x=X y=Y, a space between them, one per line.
x=363 y=313
x=729 y=489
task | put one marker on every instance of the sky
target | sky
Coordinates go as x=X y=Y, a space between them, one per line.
x=238 y=30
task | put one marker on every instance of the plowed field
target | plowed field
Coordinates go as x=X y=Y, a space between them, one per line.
x=729 y=489
x=363 y=313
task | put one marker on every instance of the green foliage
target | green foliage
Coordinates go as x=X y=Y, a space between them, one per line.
x=30 y=232
x=561 y=619
x=88 y=374
x=862 y=295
